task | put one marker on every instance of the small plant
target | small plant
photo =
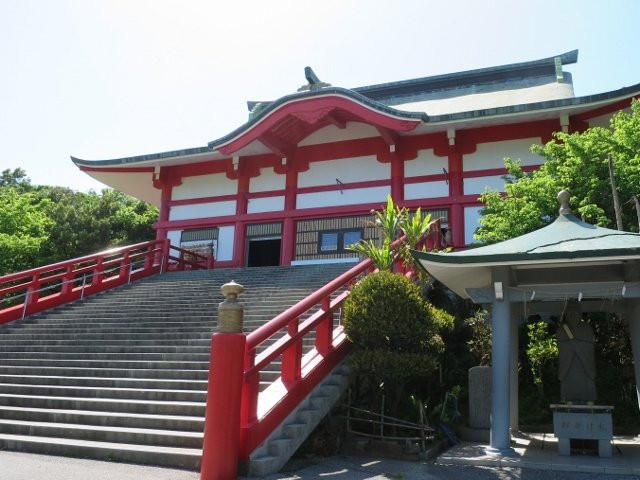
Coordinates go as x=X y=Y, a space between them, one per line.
x=390 y=218
x=541 y=349
x=480 y=342
x=383 y=257
x=393 y=220
x=414 y=226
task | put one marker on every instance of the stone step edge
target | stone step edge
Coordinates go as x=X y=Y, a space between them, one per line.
x=105 y=400
x=90 y=388
x=158 y=455
x=78 y=426
x=125 y=379
x=146 y=416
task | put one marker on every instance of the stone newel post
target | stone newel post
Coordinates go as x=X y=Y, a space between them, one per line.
x=230 y=311
x=222 y=416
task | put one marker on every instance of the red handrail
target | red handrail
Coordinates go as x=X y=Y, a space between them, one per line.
x=49 y=286
x=300 y=374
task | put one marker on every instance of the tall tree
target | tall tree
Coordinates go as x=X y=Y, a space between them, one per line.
x=44 y=224
x=578 y=162
x=23 y=229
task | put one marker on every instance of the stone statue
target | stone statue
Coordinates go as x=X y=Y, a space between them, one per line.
x=577 y=372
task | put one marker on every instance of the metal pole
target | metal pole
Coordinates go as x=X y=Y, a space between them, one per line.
x=84 y=282
x=26 y=301
x=614 y=192
x=382 y=417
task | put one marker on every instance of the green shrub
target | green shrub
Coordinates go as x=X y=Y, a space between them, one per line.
x=395 y=333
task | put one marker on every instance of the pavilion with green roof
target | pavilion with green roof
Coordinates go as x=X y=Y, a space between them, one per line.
x=535 y=273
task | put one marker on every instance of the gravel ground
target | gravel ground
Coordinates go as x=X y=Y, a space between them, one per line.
x=27 y=466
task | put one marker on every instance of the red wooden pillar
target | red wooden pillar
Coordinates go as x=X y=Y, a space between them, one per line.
x=287 y=253
x=240 y=233
x=165 y=197
x=224 y=391
x=397 y=179
x=456 y=191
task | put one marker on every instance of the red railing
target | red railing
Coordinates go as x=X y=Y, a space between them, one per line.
x=262 y=412
x=299 y=375
x=239 y=417
x=38 y=289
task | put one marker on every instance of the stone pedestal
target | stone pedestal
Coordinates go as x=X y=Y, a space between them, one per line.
x=587 y=422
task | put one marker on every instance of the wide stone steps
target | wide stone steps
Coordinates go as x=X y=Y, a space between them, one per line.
x=113 y=382
x=184 y=374
x=169 y=438
x=90 y=355
x=123 y=374
x=102 y=392
x=153 y=454
x=181 y=423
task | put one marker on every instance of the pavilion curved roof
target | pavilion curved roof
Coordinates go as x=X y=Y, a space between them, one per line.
x=565 y=241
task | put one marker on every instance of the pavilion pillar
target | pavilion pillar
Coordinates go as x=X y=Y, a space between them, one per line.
x=632 y=313
x=513 y=369
x=501 y=332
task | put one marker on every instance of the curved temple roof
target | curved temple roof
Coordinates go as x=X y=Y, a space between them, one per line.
x=372 y=104
x=566 y=240
x=302 y=105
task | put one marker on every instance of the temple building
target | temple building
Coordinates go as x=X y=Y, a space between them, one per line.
x=297 y=182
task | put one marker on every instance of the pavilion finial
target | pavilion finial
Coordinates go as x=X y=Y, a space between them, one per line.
x=563 y=197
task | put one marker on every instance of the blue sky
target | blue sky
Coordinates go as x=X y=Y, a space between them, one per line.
x=105 y=79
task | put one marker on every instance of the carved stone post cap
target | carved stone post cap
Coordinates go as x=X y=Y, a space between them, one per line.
x=563 y=198
x=231 y=289
x=230 y=311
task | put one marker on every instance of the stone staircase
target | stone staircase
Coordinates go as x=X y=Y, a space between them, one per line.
x=123 y=375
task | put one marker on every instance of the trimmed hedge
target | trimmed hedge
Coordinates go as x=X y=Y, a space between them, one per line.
x=394 y=330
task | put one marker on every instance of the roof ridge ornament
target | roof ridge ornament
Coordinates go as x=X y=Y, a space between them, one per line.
x=563 y=198
x=314 y=82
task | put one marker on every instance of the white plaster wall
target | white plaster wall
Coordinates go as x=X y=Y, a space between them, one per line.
x=202 y=210
x=204 y=186
x=413 y=191
x=471 y=222
x=491 y=155
x=331 y=133
x=479 y=184
x=601 y=121
x=266 y=204
x=502 y=98
x=225 y=243
x=267 y=181
x=174 y=237
x=347 y=197
x=426 y=163
x=347 y=170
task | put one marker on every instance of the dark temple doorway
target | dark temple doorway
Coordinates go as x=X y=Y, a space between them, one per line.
x=263 y=252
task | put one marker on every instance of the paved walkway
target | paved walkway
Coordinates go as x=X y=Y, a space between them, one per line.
x=27 y=466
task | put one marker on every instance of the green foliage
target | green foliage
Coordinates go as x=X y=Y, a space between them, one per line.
x=14 y=178
x=391 y=220
x=382 y=257
x=414 y=226
x=577 y=162
x=480 y=341
x=395 y=333
x=23 y=229
x=44 y=224
x=542 y=348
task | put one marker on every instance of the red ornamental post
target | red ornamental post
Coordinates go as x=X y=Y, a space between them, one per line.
x=222 y=417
